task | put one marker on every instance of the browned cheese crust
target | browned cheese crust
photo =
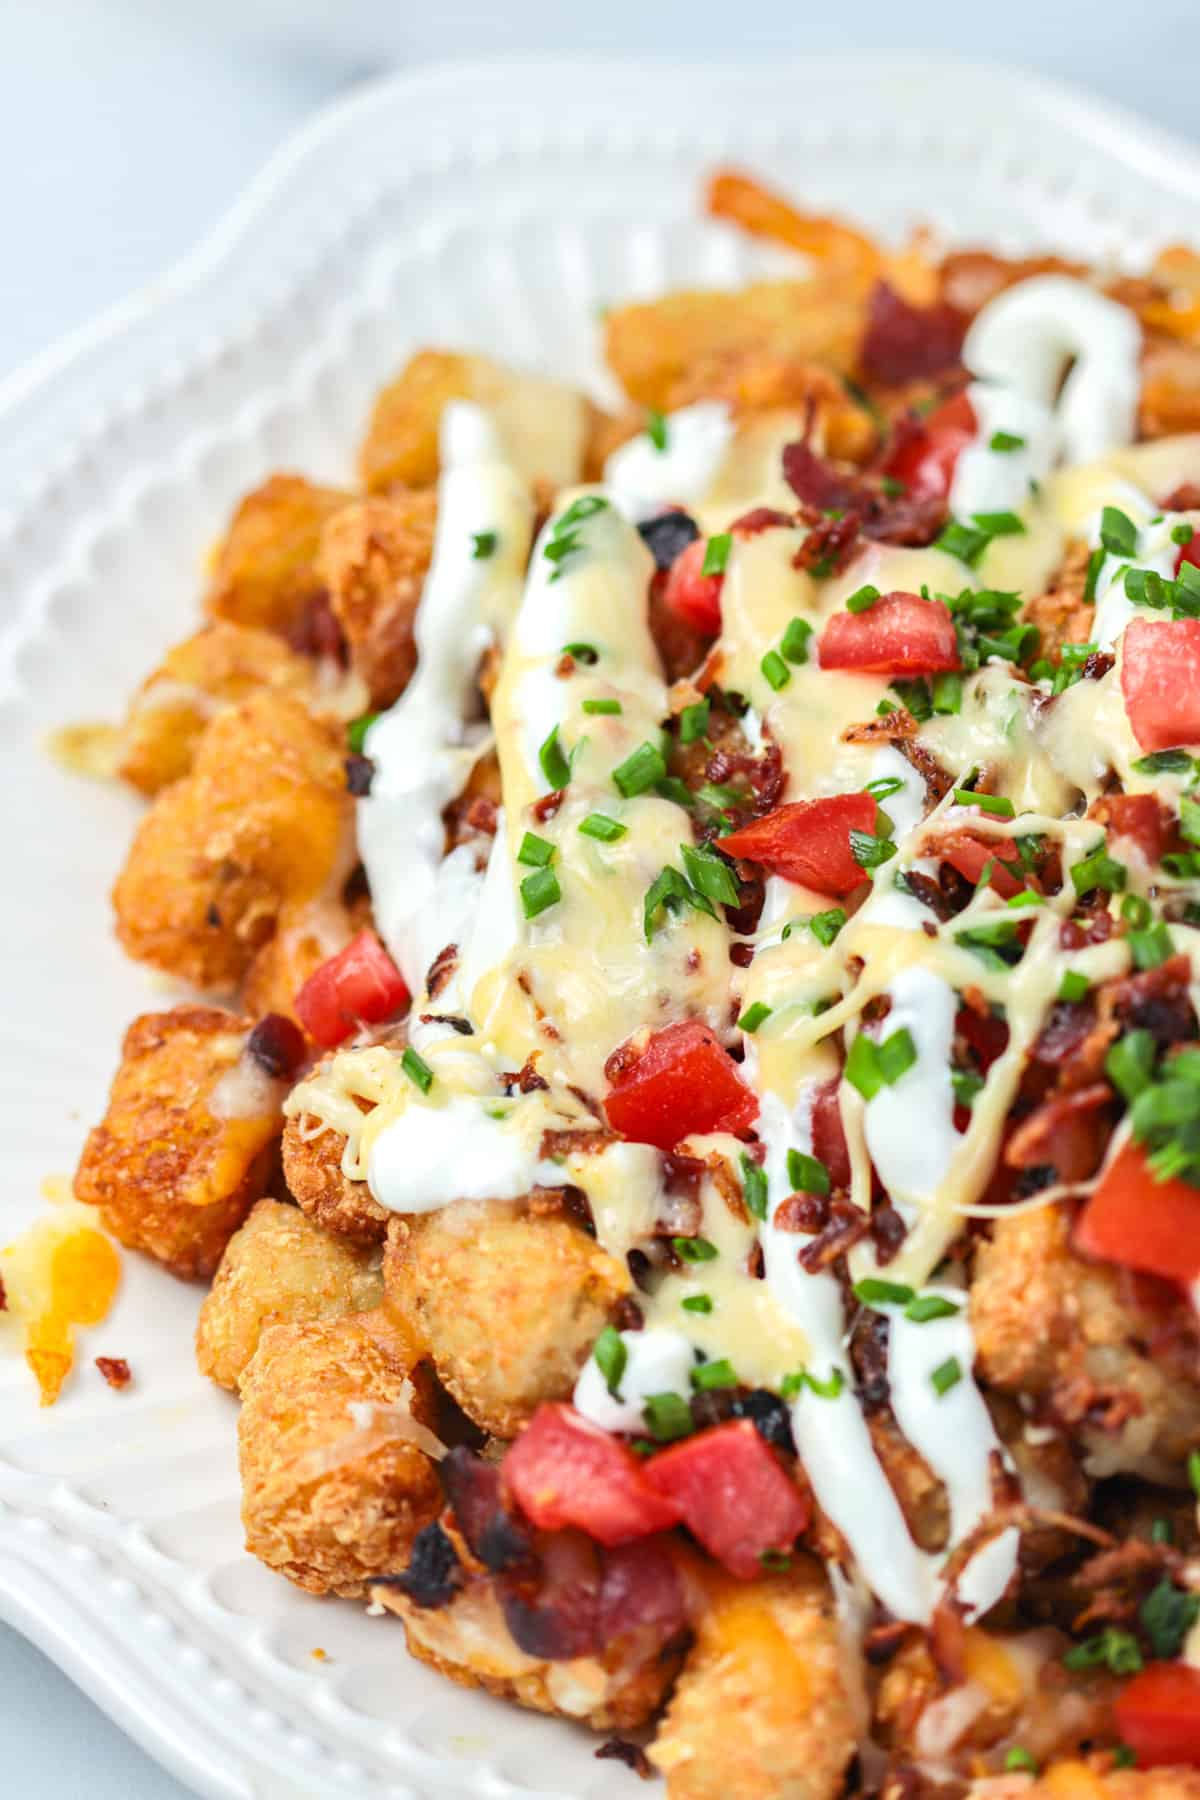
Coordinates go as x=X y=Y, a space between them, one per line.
x=762 y=1710
x=265 y=571
x=469 y=1642
x=507 y=1304
x=279 y=1269
x=326 y=1501
x=1076 y=1334
x=217 y=666
x=312 y=1168
x=373 y=561
x=262 y=819
x=169 y=1177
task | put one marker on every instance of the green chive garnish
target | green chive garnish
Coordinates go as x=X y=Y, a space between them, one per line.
x=716 y=554
x=539 y=891
x=639 y=771
x=535 y=852
x=417 y=1069
x=602 y=828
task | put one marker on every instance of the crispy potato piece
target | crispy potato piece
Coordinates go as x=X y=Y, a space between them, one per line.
x=1061 y=614
x=469 y=1642
x=312 y=1168
x=970 y=278
x=264 y=817
x=508 y=1305
x=307 y=934
x=265 y=571
x=1170 y=399
x=1088 y=1357
x=653 y=346
x=763 y=1709
x=279 y=1269
x=755 y=382
x=757 y=210
x=170 y=710
x=373 y=560
x=543 y=423
x=188 y=1141
x=326 y=1501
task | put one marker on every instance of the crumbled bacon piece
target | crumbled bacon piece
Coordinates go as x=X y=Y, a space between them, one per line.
x=434 y=1573
x=548 y=805
x=1185 y=498
x=888 y=1232
x=903 y=342
x=440 y=970
x=759 y=518
x=277 y=1045
x=830 y=544
x=317 y=631
x=632 y=1755
x=115 y=1371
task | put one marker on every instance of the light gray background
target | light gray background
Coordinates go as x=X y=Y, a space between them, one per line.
x=128 y=126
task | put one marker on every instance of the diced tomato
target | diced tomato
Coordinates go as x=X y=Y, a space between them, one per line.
x=682 y=1083
x=925 y=458
x=563 y=1470
x=808 y=841
x=1160 y=679
x=1138 y=817
x=900 y=635
x=1142 y=1223
x=1158 y=1714
x=971 y=855
x=828 y=1133
x=361 y=985
x=733 y=1494
x=690 y=594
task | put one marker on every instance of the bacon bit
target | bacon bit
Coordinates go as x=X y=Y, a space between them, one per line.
x=891 y=727
x=830 y=545
x=440 y=970
x=888 y=1232
x=115 y=1371
x=1097 y=664
x=764 y=772
x=759 y=519
x=817 y=483
x=575 y=1140
x=882 y=1641
x=938 y=781
x=277 y=1045
x=728 y=1185
x=548 y=805
x=632 y=1755
x=3 y=1296
x=802 y=1212
x=528 y=1080
x=1066 y=1133
x=741 y=955
x=481 y=815
x=756 y=1265
x=1185 y=498
x=848 y=1225
x=317 y=632
x=903 y=342
x=1156 y=1001
x=463 y=1027
x=628 y=1315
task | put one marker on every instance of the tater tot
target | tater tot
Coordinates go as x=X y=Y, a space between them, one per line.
x=327 y=1501
x=1089 y=1354
x=307 y=934
x=264 y=817
x=763 y=1709
x=312 y=1168
x=468 y=1641
x=507 y=1304
x=265 y=572
x=188 y=1140
x=278 y=1269
x=374 y=558
x=168 y=714
x=542 y=423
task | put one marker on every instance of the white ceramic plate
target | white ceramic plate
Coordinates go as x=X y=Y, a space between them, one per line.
x=496 y=207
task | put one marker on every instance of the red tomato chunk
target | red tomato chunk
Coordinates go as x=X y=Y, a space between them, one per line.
x=900 y=635
x=565 y=1471
x=361 y=985
x=683 y=1082
x=733 y=1494
x=808 y=841
x=1160 y=679
x=1142 y=1223
x=925 y=460
x=690 y=594
x=1159 y=1715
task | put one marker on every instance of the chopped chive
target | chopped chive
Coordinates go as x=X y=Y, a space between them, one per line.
x=552 y=759
x=710 y=874
x=672 y=788
x=535 y=851
x=1118 y=533
x=607 y=707
x=807 y=1174
x=754 y=1016
x=1152 y=947
x=791 y=1384
x=667 y=1416
x=417 y=1070
x=656 y=430
x=1182 y=533
x=869 y=851
x=716 y=553
x=1112 y=1649
x=794 y=642
x=895 y=1055
x=716 y=1374
x=693 y=722
x=924 y=1307
x=1129 y=1064
x=1189 y=819
x=891 y=487
x=754 y=1187
x=1019 y=1759
x=1124 y=1756
x=966 y=1084
x=611 y=1355
x=826 y=925
x=996 y=804
x=947 y=694
x=774 y=1561
x=1073 y=986
x=670 y=892
x=775 y=670
x=884 y=787
x=1098 y=870
x=946 y=1375
x=1005 y=440
x=862 y=1066
x=483 y=545
x=582 y=653
x=639 y=771
x=830 y=1388
x=602 y=828
x=539 y=891
x=1135 y=910
x=963 y=541
x=1000 y=524
x=356 y=734
x=1094 y=565
x=693 y=1249
x=1193 y=1471
x=873 y=1292
x=862 y=599
x=697 y=1303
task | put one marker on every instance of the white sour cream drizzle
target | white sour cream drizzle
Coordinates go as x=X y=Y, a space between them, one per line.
x=656 y=1362
x=419 y=747
x=644 y=477
x=910 y=1123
